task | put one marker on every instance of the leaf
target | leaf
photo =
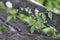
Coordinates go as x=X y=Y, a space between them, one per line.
x=50 y=15
x=2 y=29
x=49 y=4
x=55 y=35
x=48 y=31
x=26 y=18
x=14 y=17
x=9 y=18
x=12 y=11
x=2 y=5
x=38 y=1
x=32 y=29
x=36 y=25
x=56 y=5
x=43 y=17
x=40 y=23
x=58 y=35
x=39 y=14
x=43 y=26
x=40 y=20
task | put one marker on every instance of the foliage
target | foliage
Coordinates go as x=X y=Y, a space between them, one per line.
x=35 y=24
x=2 y=29
x=48 y=31
x=2 y=5
x=50 y=15
x=51 y=4
x=43 y=17
x=8 y=19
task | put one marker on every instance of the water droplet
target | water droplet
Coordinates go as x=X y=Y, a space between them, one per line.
x=36 y=11
x=22 y=9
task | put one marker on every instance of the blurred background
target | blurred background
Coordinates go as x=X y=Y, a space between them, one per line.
x=53 y=5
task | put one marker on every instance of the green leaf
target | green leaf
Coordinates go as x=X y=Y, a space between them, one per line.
x=43 y=26
x=40 y=23
x=39 y=20
x=56 y=5
x=43 y=17
x=38 y=1
x=50 y=15
x=58 y=35
x=2 y=5
x=14 y=17
x=55 y=35
x=39 y=14
x=48 y=31
x=32 y=29
x=9 y=18
x=26 y=18
x=49 y=4
x=2 y=29
x=36 y=25
x=12 y=11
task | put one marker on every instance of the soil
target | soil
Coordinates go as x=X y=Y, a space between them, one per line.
x=19 y=30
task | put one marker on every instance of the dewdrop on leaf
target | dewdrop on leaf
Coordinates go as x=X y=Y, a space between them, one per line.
x=9 y=4
x=36 y=11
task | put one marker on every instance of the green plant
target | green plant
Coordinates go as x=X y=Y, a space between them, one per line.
x=53 y=5
x=50 y=15
x=2 y=29
x=35 y=24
